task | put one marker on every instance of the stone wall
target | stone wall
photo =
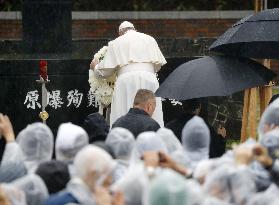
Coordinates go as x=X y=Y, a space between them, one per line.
x=88 y=25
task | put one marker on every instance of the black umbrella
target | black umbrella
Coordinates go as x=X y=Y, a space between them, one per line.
x=255 y=36
x=213 y=76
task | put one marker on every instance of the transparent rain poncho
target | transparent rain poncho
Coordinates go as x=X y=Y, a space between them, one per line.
x=266 y=197
x=262 y=177
x=90 y=162
x=70 y=139
x=170 y=139
x=133 y=185
x=243 y=154
x=91 y=158
x=36 y=143
x=168 y=188
x=195 y=142
x=11 y=170
x=195 y=192
x=147 y=141
x=203 y=169
x=214 y=201
x=34 y=188
x=276 y=202
x=270 y=117
x=270 y=140
x=231 y=184
x=12 y=152
x=121 y=141
x=14 y=194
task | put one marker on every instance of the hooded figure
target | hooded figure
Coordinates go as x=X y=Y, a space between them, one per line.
x=168 y=188
x=270 y=140
x=147 y=141
x=96 y=127
x=170 y=139
x=230 y=184
x=132 y=185
x=195 y=192
x=121 y=141
x=266 y=197
x=70 y=139
x=36 y=143
x=34 y=188
x=269 y=119
x=92 y=165
x=195 y=142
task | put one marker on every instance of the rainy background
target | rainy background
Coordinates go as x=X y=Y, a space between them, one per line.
x=68 y=33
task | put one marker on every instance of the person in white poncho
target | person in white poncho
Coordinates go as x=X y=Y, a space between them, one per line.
x=135 y=58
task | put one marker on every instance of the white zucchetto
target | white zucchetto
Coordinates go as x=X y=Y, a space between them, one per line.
x=125 y=24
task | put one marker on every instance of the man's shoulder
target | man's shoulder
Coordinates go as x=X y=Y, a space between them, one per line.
x=148 y=121
x=130 y=116
x=119 y=121
x=151 y=125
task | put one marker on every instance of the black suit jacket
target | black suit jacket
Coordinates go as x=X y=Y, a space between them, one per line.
x=137 y=121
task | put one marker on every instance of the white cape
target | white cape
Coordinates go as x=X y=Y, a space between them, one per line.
x=128 y=49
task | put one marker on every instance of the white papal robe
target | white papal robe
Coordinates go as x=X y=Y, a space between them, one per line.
x=135 y=58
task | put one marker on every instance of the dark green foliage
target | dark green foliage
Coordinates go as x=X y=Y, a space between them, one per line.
x=10 y=5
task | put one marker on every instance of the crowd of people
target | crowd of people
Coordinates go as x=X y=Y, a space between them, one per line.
x=137 y=159
x=137 y=162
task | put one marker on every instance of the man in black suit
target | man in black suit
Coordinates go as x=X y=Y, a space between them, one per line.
x=138 y=119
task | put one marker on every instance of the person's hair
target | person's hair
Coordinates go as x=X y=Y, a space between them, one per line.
x=142 y=96
x=189 y=106
x=55 y=174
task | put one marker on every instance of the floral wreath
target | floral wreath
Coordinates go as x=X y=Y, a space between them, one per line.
x=102 y=88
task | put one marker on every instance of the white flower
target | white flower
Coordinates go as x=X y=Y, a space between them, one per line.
x=102 y=89
x=97 y=56
x=101 y=53
x=104 y=94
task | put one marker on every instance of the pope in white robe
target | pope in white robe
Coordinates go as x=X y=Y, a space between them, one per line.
x=135 y=58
